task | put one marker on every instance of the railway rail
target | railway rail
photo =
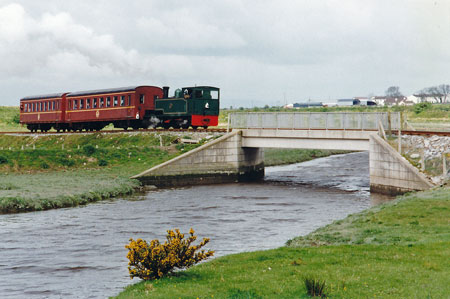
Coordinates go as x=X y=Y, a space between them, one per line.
x=212 y=130
x=423 y=133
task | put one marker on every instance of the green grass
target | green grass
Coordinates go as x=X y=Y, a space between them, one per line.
x=49 y=190
x=9 y=119
x=409 y=260
x=288 y=156
x=418 y=218
x=45 y=172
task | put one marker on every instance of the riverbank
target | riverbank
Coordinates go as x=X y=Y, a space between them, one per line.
x=45 y=172
x=400 y=249
x=57 y=171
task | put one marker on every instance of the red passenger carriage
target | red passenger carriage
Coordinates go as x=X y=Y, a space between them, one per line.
x=89 y=110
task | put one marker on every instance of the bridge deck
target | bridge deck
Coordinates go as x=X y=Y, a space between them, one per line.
x=307 y=139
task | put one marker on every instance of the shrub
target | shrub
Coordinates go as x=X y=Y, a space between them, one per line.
x=155 y=260
x=67 y=162
x=44 y=165
x=315 y=287
x=3 y=160
x=102 y=162
x=89 y=150
x=420 y=107
x=16 y=118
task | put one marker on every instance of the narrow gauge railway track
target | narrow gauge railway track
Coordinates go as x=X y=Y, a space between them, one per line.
x=212 y=130
x=423 y=133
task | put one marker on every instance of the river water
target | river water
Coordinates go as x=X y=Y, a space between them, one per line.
x=79 y=252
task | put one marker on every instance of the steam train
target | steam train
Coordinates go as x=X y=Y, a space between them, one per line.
x=135 y=107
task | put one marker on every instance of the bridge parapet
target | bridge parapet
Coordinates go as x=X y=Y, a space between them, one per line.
x=315 y=120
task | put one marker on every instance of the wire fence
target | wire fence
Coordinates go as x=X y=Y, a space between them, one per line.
x=430 y=154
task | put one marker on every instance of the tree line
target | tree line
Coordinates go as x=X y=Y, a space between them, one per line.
x=440 y=93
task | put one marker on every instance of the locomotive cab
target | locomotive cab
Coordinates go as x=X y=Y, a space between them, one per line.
x=191 y=106
x=204 y=105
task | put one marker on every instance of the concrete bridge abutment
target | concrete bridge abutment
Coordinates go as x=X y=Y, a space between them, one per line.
x=223 y=160
x=390 y=173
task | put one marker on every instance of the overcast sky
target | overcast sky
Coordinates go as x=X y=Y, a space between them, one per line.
x=258 y=52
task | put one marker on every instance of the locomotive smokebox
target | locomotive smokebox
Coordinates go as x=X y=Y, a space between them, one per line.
x=165 y=92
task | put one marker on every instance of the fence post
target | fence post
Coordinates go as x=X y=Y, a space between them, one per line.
x=389 y=124
x=400 y=133
x=381 y=130
x=444 y=165
x=361 y=120
x=276 y=120
x=228 y=126
x=422 y=160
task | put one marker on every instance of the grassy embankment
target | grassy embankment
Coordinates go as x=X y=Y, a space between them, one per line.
x=38 y=173
x=400 y=249
x=9 y=119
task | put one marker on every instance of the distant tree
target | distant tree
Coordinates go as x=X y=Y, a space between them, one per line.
x=393 y=91
x=440 y=93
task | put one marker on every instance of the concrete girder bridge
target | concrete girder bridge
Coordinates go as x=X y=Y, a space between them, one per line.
x=239 y=155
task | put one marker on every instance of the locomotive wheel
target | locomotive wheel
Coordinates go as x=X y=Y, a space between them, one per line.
x=195 y=127
x=205 y=127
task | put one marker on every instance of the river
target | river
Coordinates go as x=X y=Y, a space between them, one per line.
x=79 y=252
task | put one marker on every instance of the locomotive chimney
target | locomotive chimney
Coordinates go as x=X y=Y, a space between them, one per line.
x=165 y=92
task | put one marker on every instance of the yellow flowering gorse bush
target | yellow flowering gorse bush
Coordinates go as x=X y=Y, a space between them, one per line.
x=155 y=260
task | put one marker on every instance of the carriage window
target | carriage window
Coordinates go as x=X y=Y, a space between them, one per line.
x=116 y=101
x=40 y=106
x=75 y=104
x=94 y=103
x=102 y=103
x=81 y=104
x=129 y=100
x=122 y=100
x=53 y=105
x=141 y=98
x=88 y=103
x=45 y=106
x=108 y=101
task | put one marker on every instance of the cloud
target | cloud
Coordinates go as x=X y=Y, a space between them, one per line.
x=253 y=49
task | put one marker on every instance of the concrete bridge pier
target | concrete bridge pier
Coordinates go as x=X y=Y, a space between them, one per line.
x=223 y=160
